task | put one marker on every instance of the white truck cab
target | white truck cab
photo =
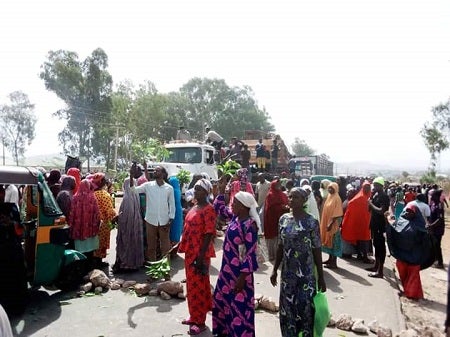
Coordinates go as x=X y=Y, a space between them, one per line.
x=191 y=156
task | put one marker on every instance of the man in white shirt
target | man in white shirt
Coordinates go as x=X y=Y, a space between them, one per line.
x=214 y=138
x=159 y=211
x=421 y=203
x=262 y=188
x=12 y=194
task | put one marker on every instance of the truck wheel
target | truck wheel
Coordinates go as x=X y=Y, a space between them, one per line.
x=71 y=276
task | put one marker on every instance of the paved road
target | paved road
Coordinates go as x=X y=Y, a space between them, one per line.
x=118 y=313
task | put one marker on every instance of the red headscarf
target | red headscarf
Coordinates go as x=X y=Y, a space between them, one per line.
x=97 y=180
x=74 y=172
x=274 y=207
x=84 y=219
x=355 y=226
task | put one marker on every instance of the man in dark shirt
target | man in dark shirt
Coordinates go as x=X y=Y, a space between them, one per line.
x=378 y=205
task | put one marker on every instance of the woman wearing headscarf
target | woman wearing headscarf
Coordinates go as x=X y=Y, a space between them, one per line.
x=177 y=224
x=53 y=181
x=234 y=305
x=324 y=188
x=355 y=225
x=241 y=184
x=197 y=245
x=84 y=220
x=404 y=236
x=298 y=253
x=399 y=202
x=65 y=195
x=315 y=185
x=107 y=215
x=330 y=222
x=130 y=237
x=276 y=205
x=311 y=204
x=74 y=172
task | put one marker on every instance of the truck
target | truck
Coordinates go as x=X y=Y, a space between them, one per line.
x=192 y=156
x=251 y=138
x=305 y=167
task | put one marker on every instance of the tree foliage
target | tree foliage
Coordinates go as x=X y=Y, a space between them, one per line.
x=86 y=87
x=18 y=121
x=435 y=141
x=301 y=149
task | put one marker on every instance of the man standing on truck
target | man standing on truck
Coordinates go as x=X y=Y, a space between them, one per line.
x=274 y=155
x=260 y=155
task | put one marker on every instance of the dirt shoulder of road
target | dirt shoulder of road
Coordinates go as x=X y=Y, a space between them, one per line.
x=431 y=311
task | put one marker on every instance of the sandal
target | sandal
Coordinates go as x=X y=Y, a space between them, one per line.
x=187 y=321
x=196 y=329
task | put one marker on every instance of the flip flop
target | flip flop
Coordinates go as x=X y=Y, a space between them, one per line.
x=187 y=321
x=196 y=329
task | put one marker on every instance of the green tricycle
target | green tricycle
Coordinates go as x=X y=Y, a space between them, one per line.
x=34 y=240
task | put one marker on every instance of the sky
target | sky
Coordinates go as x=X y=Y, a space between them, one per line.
x=355 y=79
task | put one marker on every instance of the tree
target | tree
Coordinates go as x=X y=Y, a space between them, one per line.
x=18 y=122
x=85 y=87
x=435 y=141
x=301 y=149
x=229 y=111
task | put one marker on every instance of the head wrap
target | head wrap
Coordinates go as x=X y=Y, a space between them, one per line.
x=96 y=179
x=301 y=190
x=206 y=185
x=249 y=201
x=74 y=172
x=304 y=181
x=242 y=173
x=53 y=177
x=68 y=183
x=307 y=188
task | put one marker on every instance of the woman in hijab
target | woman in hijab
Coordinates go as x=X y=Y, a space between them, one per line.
x=74 y=172
x=298 y=253
x=276 y=205
x=177 y=224
x=197 y=245
x=311 y=204
x=404 y=236
x=241 y=184
x=65 y=195
x=107 y=216
x=234 y=305
x=130 y=237
x=330 y=222
x=355 y=225
x=324 y=188
x=84 y=220
x=53 y=181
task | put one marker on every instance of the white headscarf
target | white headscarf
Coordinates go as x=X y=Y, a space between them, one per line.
x=206 y=185
x=249 y=201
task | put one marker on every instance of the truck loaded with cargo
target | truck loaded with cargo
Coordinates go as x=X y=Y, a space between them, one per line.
x=308 y=166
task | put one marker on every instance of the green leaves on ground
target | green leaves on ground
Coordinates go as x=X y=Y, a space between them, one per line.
x=158 y=269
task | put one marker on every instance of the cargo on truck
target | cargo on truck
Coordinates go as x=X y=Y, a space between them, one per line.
x=308 y=166
x=251 y=138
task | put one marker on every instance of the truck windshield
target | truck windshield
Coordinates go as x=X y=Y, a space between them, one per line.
x=188 y=155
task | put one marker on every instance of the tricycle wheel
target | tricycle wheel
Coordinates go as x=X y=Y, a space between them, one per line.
x=72 y=275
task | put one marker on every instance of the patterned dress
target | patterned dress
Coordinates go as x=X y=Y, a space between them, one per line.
x=297 y=273
x=107 y=213
x=234 y=313
x=198 y=222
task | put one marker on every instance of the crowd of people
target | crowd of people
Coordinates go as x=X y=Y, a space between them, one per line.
x=297 y=219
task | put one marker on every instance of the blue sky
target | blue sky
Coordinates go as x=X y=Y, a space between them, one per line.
x=355 y=79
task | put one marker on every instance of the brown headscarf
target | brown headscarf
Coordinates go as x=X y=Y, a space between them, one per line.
x=332 y=208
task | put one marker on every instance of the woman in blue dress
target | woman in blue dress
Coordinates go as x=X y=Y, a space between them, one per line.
x=299 y=251
x=177 y=223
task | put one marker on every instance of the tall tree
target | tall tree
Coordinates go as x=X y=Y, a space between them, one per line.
x=229 y=111
x=85 y=87
x=435 y=141
x=301 y=149
x=18 y=121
